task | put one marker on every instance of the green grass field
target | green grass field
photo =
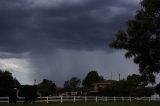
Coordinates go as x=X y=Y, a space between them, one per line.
x=92 y=104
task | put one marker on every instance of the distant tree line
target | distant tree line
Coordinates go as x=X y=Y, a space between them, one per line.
x=8 y=83
x=132 y=86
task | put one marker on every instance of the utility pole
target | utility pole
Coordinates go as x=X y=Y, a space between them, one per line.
x=119 y=75
x=34 y=82
x=111 y=75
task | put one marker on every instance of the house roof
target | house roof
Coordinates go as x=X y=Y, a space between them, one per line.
x=105 y=82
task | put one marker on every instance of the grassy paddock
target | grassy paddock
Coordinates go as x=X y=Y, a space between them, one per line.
x=90 y=104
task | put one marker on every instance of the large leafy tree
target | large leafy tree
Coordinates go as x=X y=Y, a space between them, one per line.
x=119 y=88
x=7 y=83
x=137 y=80
x=143 y=92
x=157 y=88
x=46 y=88
x=126 y=88
x=92 y=77
x=73 y=83
x=141 y=39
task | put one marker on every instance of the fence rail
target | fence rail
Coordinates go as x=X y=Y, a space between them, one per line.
x=84 y=99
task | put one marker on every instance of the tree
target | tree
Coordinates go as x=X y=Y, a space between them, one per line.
x=123 y=88
x=143 y=92
x=157 y=89
x=46 y=87
x=29 y=92
x=73 y=83
x=141 y=40
x=92 y=77
x=119 y=88
x=137 y=80
x=126 y=88
x=7 y=83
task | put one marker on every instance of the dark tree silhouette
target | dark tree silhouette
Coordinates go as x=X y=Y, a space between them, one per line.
x=157 y=88
x=46 y=88
x=137 y=80
x=29 y=92
x=126 y=88
x=141 y=40
x=73 y=83
x=92 y=77
x=7 y=83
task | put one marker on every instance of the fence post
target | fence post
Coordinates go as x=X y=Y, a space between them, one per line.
x=47 y=99
x=61 y=99
x=85 y=98
x=96 y=99
x=114 y=99
x=8 y=100
x=106 y=99
x=130 y=99
x=122 y=99
x=74 y=99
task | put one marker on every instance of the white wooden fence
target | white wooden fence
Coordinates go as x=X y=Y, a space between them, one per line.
x=84 y=99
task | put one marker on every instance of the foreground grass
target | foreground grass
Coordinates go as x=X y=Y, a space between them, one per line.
x=90 y=104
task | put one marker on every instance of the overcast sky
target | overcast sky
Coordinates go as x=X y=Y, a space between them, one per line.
x=59 y=39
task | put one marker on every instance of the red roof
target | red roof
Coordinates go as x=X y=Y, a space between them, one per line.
x=106 y=82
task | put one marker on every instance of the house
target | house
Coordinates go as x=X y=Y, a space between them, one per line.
x=92 y=90
x=71 y=92
x=100 y=85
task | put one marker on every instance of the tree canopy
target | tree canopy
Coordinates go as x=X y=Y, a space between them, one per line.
x=7 y=83
x=126 y=88
x=157 y=89
x=141 y=39
x=46 y=88
x=137 y=80
x=92 y=77
x=73 y=83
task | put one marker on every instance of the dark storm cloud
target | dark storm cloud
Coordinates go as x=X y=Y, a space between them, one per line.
x=26 y=25
x=57 y=37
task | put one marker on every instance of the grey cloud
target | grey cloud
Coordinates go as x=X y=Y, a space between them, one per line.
x=61 y=38
x=66 y=26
